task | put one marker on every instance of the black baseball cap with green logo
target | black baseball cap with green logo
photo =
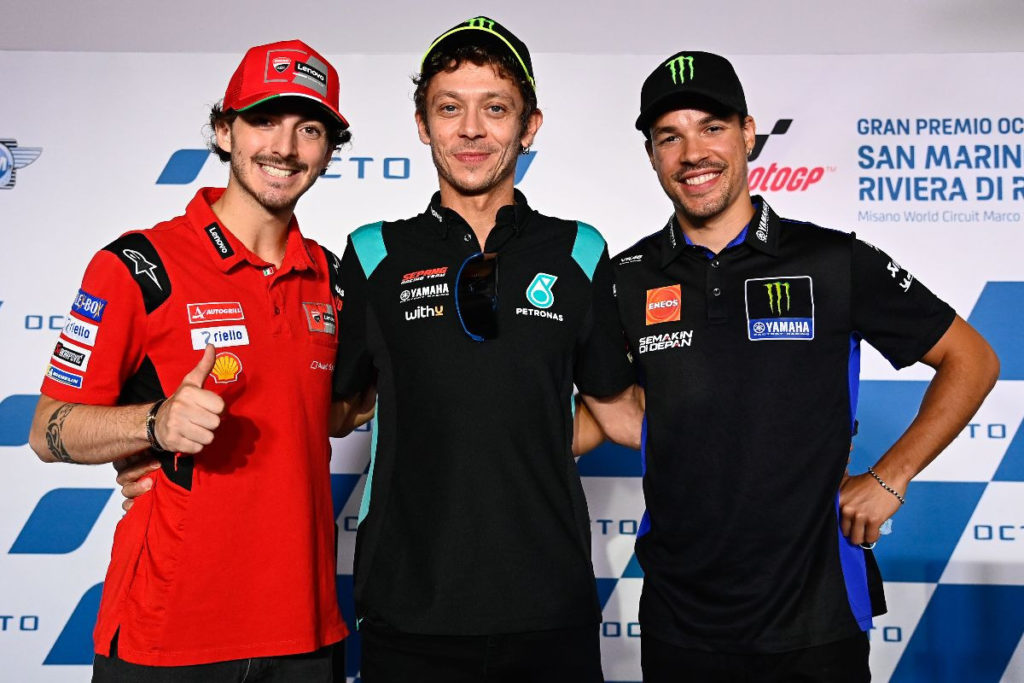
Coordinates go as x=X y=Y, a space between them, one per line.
x=481 y=31
x=700 y=79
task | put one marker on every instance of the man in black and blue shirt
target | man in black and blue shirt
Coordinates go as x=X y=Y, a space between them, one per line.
x=745 y=330
x=475 y=319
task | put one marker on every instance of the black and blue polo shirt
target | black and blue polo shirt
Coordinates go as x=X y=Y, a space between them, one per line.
x=474 y=520
x=750 y=361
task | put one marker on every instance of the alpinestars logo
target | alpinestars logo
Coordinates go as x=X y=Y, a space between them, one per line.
x=142 y=265
x=678 y=67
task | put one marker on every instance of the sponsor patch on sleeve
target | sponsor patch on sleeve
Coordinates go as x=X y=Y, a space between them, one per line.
x=89 y=306
x=780 y=308
x=71 y=354
x=70 y=379
x=81 y=331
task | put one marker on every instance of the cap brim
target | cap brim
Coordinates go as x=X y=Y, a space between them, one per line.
x=691 y=99
x=260 y=99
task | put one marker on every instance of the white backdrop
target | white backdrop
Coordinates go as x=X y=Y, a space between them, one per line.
x=883 y=133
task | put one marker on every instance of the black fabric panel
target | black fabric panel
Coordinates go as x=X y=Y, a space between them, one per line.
x=144 y=387
x=143 y=263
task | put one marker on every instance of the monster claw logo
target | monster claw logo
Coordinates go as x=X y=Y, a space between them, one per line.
x=780 y=307
x=481 y=22
x=775 y=292
x=12 y=158
x=678 y=67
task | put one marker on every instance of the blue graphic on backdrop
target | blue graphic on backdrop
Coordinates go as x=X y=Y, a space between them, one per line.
x=185 y=165
x=16 y=418
x=61 y=521
x=74 y=644
x=13 y=158
x=523 y=165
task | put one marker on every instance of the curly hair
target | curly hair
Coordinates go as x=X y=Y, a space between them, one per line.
x=336 y=134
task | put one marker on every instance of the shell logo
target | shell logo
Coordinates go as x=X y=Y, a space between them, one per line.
x=226 y=368
x=663 y=304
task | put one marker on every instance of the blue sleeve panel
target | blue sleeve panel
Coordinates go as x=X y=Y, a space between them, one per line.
x=368 y=242
x=587 y=249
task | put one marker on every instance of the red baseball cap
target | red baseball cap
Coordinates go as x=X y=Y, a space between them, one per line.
x=289 y=68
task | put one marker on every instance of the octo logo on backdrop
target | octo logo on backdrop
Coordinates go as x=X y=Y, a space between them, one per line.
x=185 y=164
x=775 y=178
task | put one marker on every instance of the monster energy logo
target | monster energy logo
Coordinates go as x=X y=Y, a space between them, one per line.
x=775 y=291
x=481 y=22
x=678 y=66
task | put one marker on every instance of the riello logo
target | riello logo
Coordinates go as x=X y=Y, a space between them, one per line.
x=776 y=178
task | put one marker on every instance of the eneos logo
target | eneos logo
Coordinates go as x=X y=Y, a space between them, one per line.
x=664 y=304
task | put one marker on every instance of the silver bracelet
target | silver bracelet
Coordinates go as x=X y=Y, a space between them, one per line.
x=901 y=499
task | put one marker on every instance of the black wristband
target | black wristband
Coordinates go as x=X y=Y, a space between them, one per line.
x=151 y=427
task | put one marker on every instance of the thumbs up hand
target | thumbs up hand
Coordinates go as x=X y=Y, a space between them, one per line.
x=186 y=421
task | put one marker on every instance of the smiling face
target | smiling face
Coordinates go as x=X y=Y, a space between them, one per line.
x=472 y=124
x=701 y=162
x=278 y=150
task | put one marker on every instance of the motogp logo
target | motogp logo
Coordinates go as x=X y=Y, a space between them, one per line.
x=539 y=292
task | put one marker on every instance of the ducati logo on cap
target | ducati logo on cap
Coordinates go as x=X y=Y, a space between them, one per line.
x=280 y=64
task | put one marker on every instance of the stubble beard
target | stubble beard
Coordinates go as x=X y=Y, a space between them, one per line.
x=273 y=201
x=505 y=167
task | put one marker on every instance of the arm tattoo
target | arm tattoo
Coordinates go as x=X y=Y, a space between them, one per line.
x=53 y=433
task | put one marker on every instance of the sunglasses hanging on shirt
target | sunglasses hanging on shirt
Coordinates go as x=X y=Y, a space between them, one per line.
x=476 y=296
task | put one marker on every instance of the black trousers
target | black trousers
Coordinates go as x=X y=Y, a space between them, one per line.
x=321 y=666
x=557 y=656
x=844 y=661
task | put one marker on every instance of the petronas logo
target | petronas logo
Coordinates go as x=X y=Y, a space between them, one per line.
x=679 y=67
x=776 y=291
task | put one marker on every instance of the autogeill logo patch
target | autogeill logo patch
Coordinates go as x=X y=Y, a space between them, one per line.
x=13 y=158
x=664 y=304
x=775 y=178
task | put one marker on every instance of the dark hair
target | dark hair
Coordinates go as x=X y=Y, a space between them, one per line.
x=450 y=60
x=336 y=134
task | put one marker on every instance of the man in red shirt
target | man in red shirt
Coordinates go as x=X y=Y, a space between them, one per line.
x=210 y=341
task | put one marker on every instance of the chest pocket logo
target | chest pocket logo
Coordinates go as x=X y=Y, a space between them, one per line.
x=539 y=292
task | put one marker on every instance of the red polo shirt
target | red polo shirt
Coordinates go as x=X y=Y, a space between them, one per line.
x=232 y=554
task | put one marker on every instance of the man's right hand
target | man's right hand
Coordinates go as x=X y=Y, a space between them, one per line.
x=186 y=421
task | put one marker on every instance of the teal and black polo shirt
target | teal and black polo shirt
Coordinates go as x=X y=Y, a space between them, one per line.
x=473 y=519
x=750 y=362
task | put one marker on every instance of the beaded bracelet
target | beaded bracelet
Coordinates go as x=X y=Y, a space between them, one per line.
x=888 y=488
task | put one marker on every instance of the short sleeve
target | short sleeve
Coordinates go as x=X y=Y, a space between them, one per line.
x=602 y=365
x=104 y=336
x=891 y=309
x=353 y=368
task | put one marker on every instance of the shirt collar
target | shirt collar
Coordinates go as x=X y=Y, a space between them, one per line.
x=761 y=233
x=510 y=220
x=227 y=251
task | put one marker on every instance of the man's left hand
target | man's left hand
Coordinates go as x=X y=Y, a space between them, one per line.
x=864 y=506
